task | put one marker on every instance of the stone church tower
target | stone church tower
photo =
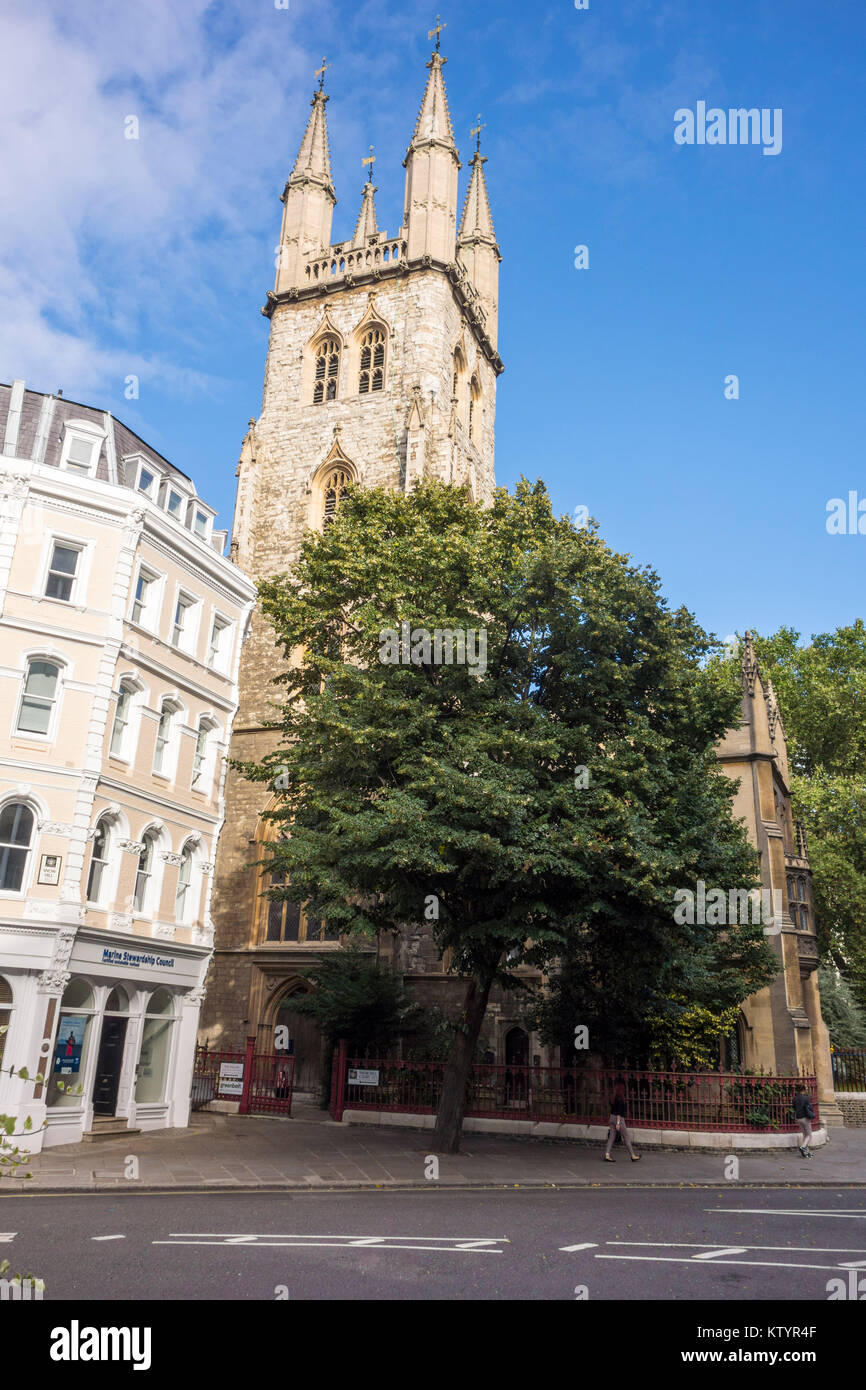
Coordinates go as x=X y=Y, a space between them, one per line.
x=381 y=370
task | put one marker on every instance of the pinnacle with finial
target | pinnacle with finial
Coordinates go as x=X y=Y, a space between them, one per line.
x=437 y=30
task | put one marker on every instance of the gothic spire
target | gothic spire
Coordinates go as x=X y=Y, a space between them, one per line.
x=434 y=118
x=366 y=224
x=314 y=156
x=308 y=199
x=477 y=220
x=432 y=163
x=477 y=250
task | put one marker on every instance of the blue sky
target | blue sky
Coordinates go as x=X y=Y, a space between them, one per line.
x=154 y=256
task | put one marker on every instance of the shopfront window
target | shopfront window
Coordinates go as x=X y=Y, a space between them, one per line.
x=5 y=1012
x=117 y=1002
x=152 y=1069
x=72 y=1044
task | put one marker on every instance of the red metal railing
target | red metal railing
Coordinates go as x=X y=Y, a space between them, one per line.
x=271 y=1080
x=849 y=1068
x=721 y=1101
x=209 y=1079
x=262 y=1082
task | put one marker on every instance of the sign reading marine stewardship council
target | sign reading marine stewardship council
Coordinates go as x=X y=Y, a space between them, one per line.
x=134 y=958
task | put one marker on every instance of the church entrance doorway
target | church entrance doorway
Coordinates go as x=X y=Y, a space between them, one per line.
x=305 y=1042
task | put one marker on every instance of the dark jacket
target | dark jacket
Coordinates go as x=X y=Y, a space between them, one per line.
x=803 y=1106
x=617 y=1106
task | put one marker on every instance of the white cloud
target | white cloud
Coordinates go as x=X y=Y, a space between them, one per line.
x=102 y=235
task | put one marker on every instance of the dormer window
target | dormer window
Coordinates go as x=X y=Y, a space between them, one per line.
x=81 y=444
x=174 y=504
x=79 y=456
x=146 y=481
x=200 y=523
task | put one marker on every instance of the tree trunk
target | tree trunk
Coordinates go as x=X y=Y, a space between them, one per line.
x=449 y=1119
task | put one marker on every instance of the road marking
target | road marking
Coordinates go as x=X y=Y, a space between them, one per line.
x=6 y=1236
x=476 y=1246
x=689 y=1260
x=705 y=1244
x=588 y=1245
x=108 y=1237
x=717 y=1254
x=852 y=1213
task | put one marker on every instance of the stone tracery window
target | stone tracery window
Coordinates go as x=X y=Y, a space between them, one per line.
x=327 y=371
x=334 y=486
x=372 y=375
x=286 y=920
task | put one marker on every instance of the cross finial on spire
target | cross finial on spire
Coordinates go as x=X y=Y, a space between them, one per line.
x=437 y=30
x=476 y=131
x=320 y=73
x=371 y=160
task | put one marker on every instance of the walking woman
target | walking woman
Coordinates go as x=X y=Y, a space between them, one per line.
x=617 y=1122
x=804 y=1114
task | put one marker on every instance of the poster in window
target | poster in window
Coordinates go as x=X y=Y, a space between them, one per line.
x=49 y=868
x=70 y=1040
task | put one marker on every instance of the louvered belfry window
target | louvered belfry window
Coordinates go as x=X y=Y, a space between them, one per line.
x=372 y=376
x=327 y=371
x=335 y=485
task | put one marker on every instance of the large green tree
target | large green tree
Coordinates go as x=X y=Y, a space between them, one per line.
x=559 y=792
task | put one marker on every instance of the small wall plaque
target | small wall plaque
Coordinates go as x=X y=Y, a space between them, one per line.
x=49 y=868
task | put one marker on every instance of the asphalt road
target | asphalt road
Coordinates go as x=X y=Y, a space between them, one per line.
x=639 y=1244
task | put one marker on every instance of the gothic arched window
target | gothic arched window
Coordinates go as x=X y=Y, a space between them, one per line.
x=474 y=408
x=327 y=371
x=333 y=488
x=372 y=377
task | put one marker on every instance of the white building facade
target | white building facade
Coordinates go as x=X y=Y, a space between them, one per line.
x=121 y=624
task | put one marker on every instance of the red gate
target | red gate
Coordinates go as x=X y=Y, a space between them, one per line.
x=261 y=1081
x=268 y=1082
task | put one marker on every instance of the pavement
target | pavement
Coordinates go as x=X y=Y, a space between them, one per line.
x=312 y=1152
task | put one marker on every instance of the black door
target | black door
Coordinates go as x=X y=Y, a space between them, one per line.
x=108 y=1065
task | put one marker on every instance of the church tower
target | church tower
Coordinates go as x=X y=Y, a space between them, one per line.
x=381 y=370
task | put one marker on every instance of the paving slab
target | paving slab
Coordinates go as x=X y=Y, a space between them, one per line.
x=248 y=1153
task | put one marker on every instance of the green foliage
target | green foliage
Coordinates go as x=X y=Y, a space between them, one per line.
x=845 y=1020
x=686 y=1036
x=357 y=999
x=399 y=782
x=758 y=1098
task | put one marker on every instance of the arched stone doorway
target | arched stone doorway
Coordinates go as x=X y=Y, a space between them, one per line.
x=306 y=1043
